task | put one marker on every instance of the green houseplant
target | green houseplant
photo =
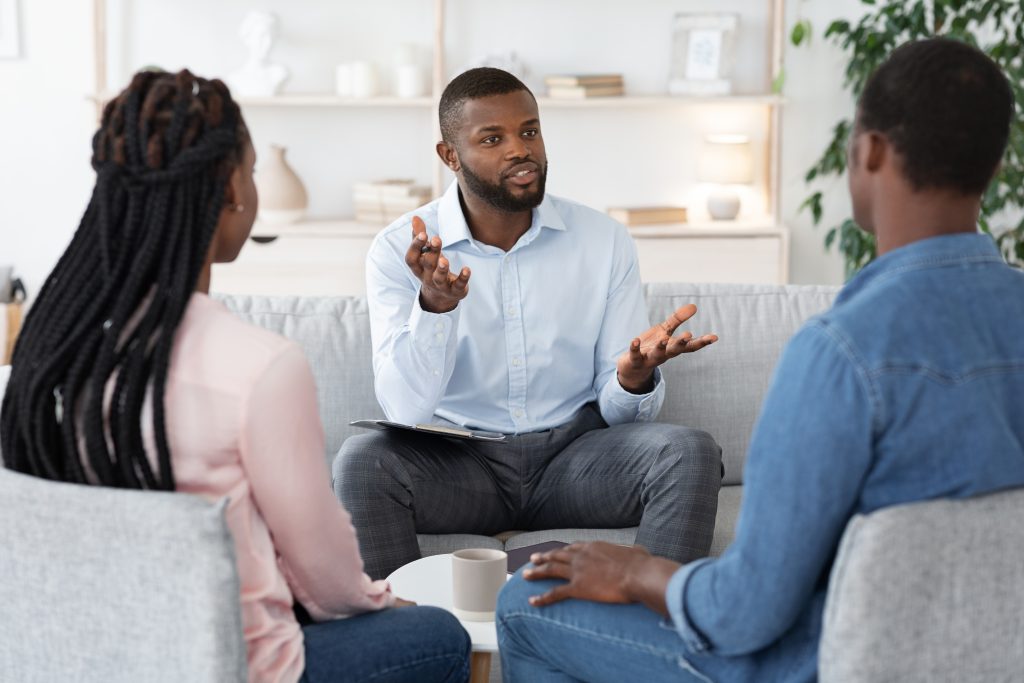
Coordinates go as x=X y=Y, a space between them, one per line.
x=995 y=26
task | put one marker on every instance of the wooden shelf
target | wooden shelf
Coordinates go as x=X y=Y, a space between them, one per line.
x=318 y=227
x=313 y=100
x=326 y=100
x=737 y=228
x=346 y=227
x=660 y=101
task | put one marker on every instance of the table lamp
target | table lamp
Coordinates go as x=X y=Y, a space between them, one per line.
x=725 y=160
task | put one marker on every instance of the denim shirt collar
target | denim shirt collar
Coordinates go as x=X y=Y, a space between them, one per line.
x=452 y=226
x=934 y=252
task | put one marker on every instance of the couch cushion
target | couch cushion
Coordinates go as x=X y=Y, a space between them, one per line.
x=621 y=536
x=436 y=544
x=720 y=388
x=728 y=510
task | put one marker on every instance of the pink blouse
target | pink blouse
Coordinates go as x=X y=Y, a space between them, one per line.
x=242 y=422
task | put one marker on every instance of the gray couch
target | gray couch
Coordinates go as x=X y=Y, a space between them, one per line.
x=718 y=390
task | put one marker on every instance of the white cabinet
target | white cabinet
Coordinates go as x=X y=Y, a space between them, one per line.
x=746 y=254
x=327 y=258
x=315 y=259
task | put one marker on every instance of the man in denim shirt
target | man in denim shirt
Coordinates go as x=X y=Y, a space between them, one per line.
x=910 y=388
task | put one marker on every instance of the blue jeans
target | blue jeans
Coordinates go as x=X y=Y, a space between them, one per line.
x=407 y=644
x=576 y=640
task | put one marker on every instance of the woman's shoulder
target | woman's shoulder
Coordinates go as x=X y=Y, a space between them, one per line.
x=216 y=346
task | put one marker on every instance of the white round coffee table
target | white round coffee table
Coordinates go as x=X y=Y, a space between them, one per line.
x=428 y=581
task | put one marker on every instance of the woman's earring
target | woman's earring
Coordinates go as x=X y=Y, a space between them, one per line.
x=237 y=208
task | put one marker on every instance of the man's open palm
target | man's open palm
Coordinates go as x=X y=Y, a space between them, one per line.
x=440 y=290
x=657 y=345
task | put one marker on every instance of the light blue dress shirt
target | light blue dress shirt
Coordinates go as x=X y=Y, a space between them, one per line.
x=537 y=336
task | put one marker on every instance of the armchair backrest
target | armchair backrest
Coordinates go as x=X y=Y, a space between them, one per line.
x=930 y=591
x=100 y=584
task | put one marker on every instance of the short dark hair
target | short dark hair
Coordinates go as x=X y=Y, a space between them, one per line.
x=470 y=85
x=946 y=107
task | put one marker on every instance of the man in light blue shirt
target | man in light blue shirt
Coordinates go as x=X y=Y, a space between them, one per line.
x=910 y=388
x=499 y=308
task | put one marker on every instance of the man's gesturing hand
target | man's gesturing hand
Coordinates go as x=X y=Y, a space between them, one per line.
x=440 y=291
x=603 y=572
x=654 y=347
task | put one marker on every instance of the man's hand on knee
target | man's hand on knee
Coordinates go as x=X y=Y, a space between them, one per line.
x=603 y=572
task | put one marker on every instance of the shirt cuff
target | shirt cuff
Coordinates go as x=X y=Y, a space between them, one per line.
x=432 y=330
x=675 y=598
x=646 y=406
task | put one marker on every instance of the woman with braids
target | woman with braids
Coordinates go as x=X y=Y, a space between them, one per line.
x=127 y=374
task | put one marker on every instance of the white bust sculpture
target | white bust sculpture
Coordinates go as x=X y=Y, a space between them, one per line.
x=257 y=77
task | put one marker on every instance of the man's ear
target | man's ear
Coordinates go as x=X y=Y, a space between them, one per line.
x=449 y=156
x=876 y=150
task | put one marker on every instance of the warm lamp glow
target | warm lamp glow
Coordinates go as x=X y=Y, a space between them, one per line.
x=726 y=160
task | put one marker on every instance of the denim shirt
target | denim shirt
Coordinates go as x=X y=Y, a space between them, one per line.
x=910 y=388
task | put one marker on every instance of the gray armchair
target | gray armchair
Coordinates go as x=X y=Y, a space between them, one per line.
x=100 y=584
x=929 y=591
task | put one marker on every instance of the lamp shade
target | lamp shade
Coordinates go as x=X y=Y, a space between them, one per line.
x=726 y=159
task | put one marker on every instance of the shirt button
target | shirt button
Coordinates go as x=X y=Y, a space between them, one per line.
x=439 y=326
x=516 y=362
x=439 y=337
x=511 y=311
x=517 y=412
x=436 y=373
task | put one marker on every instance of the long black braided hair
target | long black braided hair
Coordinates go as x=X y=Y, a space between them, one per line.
x=99 y=335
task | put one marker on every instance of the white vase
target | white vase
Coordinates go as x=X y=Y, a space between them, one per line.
x=364 y=80
x=282 y=195
x=409 y=81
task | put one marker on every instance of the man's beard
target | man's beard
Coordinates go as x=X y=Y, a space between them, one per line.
x=498 y=196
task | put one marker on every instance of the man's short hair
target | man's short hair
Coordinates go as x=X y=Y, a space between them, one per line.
x=946 y=107
x=470 y=85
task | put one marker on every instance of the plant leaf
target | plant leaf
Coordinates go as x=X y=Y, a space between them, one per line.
x=800 y=31
x=779 y=82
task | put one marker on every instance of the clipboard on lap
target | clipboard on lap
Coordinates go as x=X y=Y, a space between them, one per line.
x=437 y=430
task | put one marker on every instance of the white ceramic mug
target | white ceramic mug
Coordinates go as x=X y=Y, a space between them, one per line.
x=477 y=576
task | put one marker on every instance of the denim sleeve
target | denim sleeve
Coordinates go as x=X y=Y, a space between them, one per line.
x=809 y=455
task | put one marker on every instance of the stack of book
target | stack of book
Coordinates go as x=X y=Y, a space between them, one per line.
x=648 y=215
x=581 y=86
x=384 y=201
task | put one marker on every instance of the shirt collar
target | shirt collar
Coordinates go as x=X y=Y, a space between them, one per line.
x=934 y=252
x=452 y=227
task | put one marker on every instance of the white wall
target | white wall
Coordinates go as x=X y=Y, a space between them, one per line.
x=601 y=157
x=815 y=101
x=46 y=126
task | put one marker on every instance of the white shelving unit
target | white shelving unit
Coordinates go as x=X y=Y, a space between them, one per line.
x=326 y=256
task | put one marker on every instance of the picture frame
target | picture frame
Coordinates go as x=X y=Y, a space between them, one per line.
x=702 y=53
x=10 y=47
